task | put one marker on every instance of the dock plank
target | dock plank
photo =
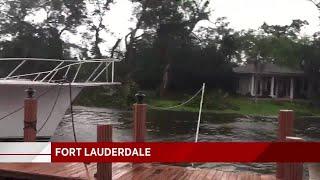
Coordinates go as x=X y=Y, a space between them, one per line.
x=180 y=174
x=186 y=174
x=130 y=174
x=72 y=170
x=121 y=171
x=171 y=173
x=211 y=174
x=232 y=176
x=268 y=177
x=218 y=175
x=202 y=174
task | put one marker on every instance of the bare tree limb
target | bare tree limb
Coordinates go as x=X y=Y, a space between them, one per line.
x=62 y=30
x=115 y=47
x=126 y=39
x=315 y=3
x=129 y=45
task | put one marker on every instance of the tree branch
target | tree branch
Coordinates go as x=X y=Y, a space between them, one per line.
x=114 y=47
x=126 y=39
x=129 y=45
x=315 y=3
x=62 y=30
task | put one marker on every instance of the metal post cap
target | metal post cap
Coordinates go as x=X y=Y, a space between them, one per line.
x=30 y=92
x=139 y=97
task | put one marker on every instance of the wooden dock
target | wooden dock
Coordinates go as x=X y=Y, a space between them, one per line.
x=121 y=171
x=124 y=171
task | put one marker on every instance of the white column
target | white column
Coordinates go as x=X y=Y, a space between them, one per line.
x=291 y=88
x=252 y=85
x=272 y=87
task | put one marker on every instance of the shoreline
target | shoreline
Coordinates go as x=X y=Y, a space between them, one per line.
x=214 y=102
x=204 y=111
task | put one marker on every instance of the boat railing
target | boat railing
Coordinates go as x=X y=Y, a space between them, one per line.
x=101 y=66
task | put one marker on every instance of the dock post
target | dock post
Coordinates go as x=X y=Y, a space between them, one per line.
x=285 y=129
x=139 y=118
x=30 y=117
x=104 y=170
x=314 y=171
x=293 y=171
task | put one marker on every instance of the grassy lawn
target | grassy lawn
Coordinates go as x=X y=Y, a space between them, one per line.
x=215 y=101
x=239 y=105
x=272 y=107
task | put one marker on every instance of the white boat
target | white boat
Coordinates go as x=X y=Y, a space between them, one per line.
x=52 y=93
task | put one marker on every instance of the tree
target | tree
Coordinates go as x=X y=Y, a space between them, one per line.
x=130 y=38
x=171 y=24
x=275 y=44
x=101 y=8
x=310 y=61
x=288 y=31
x=61 y=16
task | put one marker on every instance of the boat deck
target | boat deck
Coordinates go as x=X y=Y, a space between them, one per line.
x=121 y=171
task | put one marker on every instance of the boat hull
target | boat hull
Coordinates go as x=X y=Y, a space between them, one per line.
x=53 y=97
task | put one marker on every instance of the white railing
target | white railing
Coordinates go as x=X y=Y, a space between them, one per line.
x=63 y=66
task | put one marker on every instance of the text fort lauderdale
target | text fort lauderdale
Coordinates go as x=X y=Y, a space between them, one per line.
x=134 y=152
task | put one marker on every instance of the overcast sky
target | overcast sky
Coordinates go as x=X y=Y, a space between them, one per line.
x=242 y=14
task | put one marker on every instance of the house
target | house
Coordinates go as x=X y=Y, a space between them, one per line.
x=270 y=80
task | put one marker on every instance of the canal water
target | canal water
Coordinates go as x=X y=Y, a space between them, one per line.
x=172 y=126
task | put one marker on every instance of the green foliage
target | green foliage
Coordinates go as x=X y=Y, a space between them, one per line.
x=117 y=97
x=38 y=40
x=128 y=91
x=148 y=68
x=191 y=67
x=289 y=31
x=213 y=99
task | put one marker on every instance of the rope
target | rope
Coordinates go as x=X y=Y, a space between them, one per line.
x=20 y=108
x=176 y=106
x=74 y=129
x=9 y=114
x=53 y=106
x=71 y=111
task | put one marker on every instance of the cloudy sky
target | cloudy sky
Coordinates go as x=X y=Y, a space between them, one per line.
x=242 y=14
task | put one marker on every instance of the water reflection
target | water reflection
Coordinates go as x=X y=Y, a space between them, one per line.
x=181 y=126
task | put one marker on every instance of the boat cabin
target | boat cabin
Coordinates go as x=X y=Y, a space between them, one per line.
x=270 y=80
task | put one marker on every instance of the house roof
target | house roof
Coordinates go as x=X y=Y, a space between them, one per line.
x=267 y=68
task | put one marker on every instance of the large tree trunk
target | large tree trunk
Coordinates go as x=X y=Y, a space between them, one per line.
x=96 y=49
x=311 y=69
x=165 y=80
x=312 y=86
x=132 y=35
x=164 y=55
x=166 y=75
x=56 y=43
